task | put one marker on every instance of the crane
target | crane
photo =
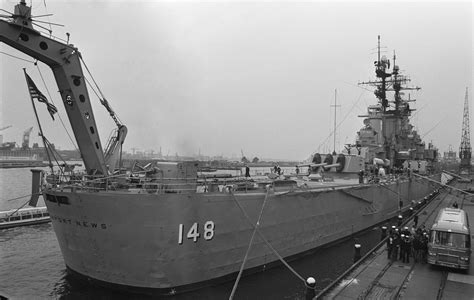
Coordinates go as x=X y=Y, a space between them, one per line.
x=65 y=62
x=465 y=148
x=25 y=145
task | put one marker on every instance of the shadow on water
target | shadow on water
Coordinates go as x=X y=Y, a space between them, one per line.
x=325 y=264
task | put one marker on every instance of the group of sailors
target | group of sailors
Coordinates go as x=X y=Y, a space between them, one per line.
x=403 y=243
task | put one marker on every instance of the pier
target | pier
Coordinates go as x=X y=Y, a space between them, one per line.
x=377 y=277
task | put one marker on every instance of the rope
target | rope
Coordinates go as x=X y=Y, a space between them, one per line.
x=17 y=209
x=51 y=98
x=22 y=197
x=30 y=61
x=266 y=242
x=248 y=248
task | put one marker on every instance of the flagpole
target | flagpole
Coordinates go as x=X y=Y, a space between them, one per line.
x=39 y=125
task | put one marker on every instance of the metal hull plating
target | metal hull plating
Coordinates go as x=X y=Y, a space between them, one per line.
x=148 y=241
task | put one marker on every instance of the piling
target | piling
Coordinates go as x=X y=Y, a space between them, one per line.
x=357 y=248
x=310 y=288
x=384 y=233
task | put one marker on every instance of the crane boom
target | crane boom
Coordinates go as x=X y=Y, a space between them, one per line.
x=64 y=61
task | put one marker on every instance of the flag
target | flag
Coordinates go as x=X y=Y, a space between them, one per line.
x=35 y=93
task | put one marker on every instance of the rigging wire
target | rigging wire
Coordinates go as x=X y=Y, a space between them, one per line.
x=13 y=199
x=342 y=121
x=60 y=119
x=102 y=99
x=17 y=57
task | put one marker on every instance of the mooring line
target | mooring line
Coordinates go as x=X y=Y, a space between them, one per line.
x=248 y=248
x=266 y=241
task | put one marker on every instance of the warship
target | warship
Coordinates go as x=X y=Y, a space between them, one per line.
x=163 y=228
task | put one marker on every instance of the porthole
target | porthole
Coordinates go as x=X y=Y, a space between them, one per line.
x=43 y=45
x=97 y=145
x=82 y=98
x=87 y=115
x=77 y=81
x=92 y=129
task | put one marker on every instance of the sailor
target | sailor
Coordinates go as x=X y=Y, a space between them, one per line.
x=399 y=220
x=406 y=247
x=297 y=170
x=406 y=231
x=424 y=247
x=390 y=242
x=415 y=220
x=392 y=229
x=395 y=246
x=455 y=204
x=361 y=176
x=247 y=171
x=381 y=172
x=417 y=248
x=278 y=170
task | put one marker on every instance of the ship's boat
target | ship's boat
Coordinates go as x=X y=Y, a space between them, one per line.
x=23 y=217
x=163 y=228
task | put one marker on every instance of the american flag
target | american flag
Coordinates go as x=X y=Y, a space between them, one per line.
x=35 y=93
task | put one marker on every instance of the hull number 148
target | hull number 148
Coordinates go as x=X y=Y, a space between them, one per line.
x=193 y=232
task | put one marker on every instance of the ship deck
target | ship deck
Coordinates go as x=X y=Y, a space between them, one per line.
x=377 y=277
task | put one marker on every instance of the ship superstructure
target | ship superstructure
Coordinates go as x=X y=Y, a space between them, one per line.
x=388 y=134
x=164 y=227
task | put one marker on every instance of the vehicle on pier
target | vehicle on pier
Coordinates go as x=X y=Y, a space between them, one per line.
x=450 y=239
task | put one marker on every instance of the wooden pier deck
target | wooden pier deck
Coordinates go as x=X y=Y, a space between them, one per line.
x=377 y=277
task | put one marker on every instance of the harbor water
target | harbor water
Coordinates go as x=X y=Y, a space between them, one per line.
x=32 y=267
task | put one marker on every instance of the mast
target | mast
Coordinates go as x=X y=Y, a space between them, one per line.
x=335 y=122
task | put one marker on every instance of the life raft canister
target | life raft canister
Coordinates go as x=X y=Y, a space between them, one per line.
x=316 y=160
x=328 y=160
x=341 y=160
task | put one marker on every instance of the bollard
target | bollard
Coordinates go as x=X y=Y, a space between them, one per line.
x=400 y=220
x=310 y=288
x=357 y=254
x=384 y=233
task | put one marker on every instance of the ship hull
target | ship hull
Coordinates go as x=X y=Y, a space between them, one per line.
x=169 y=243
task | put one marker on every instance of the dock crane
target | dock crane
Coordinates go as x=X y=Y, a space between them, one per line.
x=465 y=148
x=25 y=144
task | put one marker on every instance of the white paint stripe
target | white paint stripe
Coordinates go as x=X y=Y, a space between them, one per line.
x=469 y=279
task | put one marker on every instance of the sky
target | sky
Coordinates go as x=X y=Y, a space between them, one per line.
x=251 y=77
